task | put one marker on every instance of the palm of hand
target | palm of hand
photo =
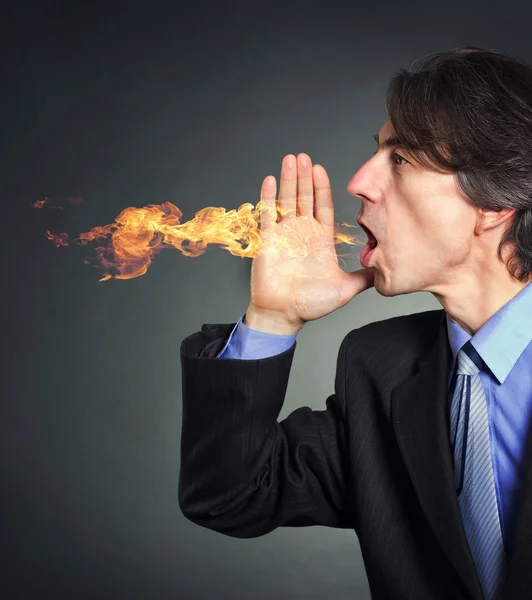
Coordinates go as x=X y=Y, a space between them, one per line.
x=295 y=274
x=297 y=271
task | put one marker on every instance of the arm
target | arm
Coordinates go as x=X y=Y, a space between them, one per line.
x=246 y=341
x=243 y=473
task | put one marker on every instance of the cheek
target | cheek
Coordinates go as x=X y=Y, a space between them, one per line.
x=418 y=248
x=412 y=241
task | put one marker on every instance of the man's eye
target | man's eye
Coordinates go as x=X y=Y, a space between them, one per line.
x=395 y=155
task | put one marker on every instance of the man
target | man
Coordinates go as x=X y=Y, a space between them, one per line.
x=424 y=448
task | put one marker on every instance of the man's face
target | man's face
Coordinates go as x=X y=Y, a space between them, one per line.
x=424 y=229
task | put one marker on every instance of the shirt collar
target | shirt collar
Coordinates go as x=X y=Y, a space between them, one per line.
x=509 y=329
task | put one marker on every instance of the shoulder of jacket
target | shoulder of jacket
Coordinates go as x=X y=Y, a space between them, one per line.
x=403 y=332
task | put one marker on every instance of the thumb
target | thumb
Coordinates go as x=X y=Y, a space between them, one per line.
x=358 y=281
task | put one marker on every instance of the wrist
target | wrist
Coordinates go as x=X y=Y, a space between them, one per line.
x=270 y=322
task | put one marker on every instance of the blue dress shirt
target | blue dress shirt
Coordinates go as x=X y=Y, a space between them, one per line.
x=504 y=343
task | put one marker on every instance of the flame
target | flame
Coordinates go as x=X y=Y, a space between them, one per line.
x=57 y=202
x=138 y=234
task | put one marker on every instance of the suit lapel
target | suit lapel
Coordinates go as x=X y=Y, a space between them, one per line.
x=421 y=424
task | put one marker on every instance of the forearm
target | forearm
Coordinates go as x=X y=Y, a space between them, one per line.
x=230 y=409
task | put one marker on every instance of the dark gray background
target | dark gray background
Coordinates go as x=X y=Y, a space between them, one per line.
x=133 y=103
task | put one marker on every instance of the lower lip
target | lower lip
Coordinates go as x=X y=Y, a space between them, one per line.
x=366 y=254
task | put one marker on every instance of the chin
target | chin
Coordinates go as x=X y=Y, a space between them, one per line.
x=384 y=288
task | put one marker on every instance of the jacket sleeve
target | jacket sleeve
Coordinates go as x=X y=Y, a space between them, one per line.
x=243 y=473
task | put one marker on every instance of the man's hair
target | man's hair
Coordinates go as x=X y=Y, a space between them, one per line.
x=469 y=111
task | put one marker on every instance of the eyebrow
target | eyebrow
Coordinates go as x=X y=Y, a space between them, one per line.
x=390 y=141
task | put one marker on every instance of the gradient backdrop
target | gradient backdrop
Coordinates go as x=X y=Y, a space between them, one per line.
x=132 y=103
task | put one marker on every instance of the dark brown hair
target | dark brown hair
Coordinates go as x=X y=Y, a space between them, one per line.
x=469 y=111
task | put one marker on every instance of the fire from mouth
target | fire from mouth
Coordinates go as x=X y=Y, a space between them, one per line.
x=138 y=234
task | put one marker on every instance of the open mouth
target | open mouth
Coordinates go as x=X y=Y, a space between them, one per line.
x=369 y=248
x=372 y=240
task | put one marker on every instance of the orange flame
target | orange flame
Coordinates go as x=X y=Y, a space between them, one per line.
x=138 y=234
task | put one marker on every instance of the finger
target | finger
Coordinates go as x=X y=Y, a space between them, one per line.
x=268 y=211
x=305 y=186
x=324 y=206
x=288 y=188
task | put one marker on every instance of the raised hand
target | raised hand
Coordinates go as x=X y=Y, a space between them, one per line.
x=288 y=291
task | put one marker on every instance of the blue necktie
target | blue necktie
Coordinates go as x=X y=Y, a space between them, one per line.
x=473 y=472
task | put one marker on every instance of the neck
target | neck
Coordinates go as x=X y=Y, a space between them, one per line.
x=473 y=302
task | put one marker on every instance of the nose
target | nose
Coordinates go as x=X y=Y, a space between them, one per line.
x=363 y=182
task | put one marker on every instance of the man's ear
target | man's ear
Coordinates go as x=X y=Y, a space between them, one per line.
x=489 y=219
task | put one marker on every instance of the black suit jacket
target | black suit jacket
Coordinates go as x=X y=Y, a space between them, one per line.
x=377 y=459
